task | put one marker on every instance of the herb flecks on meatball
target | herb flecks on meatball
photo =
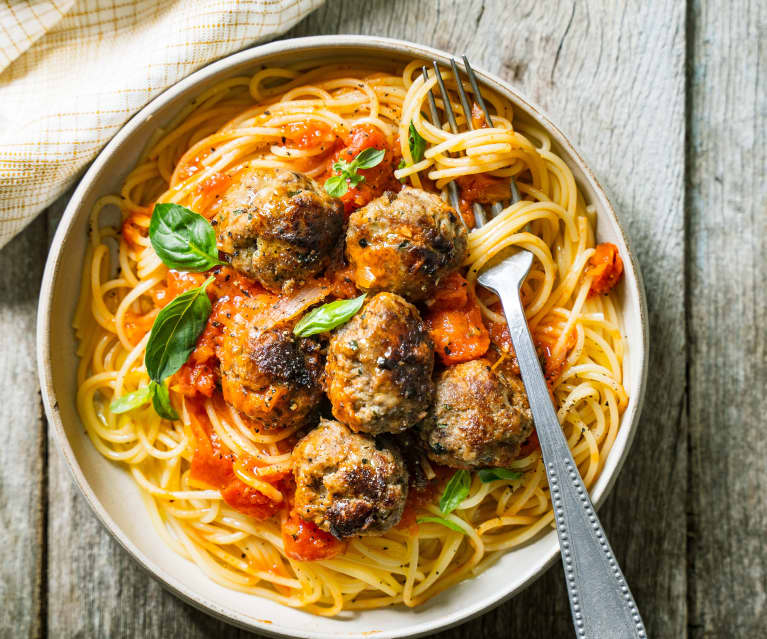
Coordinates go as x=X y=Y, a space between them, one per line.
x=347 y=483
x=379 y=367
x=479 y=419
x=278 y=226
x=270 y=375
x=404 y=243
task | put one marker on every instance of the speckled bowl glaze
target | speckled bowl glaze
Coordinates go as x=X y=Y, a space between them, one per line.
x=111 y=492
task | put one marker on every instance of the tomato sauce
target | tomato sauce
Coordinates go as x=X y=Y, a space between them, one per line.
x=213 y=465
x=455 y=324
x=306 y=541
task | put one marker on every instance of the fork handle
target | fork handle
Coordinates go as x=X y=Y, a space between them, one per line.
x=600 y=600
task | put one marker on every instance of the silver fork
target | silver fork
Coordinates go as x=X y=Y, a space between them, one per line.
x=601 y=603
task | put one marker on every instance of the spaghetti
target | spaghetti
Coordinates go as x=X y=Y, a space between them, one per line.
x=293 y=118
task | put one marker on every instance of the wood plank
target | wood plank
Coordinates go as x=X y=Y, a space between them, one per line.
x=728 y=314
x=581 y=64
x=22 y=458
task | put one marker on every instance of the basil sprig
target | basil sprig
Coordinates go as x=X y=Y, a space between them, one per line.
x=158 y=394
x=175 y=332
x=338 y=185
x=183 y=239
x=492 y=474
x=456 y=491
x=444 y=522
x=328 y=316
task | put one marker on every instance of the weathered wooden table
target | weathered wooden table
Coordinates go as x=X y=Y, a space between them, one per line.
x=669 y=104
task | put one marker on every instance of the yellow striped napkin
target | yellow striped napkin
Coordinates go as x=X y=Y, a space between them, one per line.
x=72 y=72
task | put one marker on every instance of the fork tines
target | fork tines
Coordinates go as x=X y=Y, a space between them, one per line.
x=479 y=212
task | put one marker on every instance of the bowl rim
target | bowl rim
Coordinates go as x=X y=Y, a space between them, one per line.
x=376 y=45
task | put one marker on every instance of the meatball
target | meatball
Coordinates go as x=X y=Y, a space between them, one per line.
x=479 y=419
x=278 y=226
x=404 y=243
x=269 y=374
x=347 y=483
x=379 y=367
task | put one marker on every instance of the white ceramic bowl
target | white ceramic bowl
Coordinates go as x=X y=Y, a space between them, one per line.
x=112 y=493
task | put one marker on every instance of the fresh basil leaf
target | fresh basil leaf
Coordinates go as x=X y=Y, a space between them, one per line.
x=175 y=332
x=128 y=402
x=444 y=522
x=369 y=158
x=161 y=401
x=416 y=142
x=328 y=316
x=183 y=239
x=456 y=491
x=492 y=474
x=336 y=186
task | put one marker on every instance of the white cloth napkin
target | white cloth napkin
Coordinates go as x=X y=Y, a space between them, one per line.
x=72 y=72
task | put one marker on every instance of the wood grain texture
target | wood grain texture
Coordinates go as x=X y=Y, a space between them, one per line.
x=728 y=319
x=614 y=79
x=580 y=64
x=22 y=456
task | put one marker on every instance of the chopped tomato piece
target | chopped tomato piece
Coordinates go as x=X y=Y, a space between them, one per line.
x=309 y=134
x=458 y=333
x=453 y=292
x=605 y=267
x=306 y=541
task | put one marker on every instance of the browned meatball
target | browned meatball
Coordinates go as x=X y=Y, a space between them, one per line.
x=479 y=419
x=347 y=483
x=404 y=243
x=379 y=367
x=278 y=227
x=270 y=375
